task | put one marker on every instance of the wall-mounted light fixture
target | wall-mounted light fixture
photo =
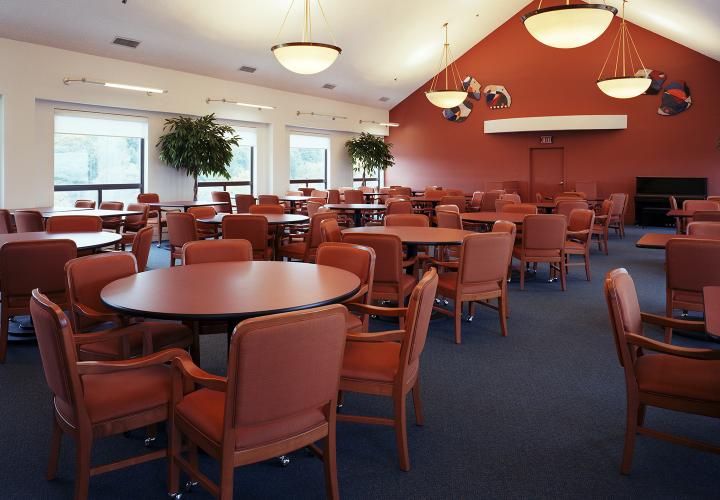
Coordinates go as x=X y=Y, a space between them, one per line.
x=244 y=104
x=382 y=124
x=312 y=113
x=123 y=86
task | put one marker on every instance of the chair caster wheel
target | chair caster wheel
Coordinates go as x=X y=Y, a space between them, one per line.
x=190 y=485
x=470 y=319
x=438 y=301
x=284 y=460
x=176 y=496
x=149 y=442
x=446 y=302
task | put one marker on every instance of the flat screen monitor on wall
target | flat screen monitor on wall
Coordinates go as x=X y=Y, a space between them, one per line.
x=690 y=186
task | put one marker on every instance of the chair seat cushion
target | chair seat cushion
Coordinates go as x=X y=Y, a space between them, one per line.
x=294 y=250
x=354 y=323
x=371 y=361
x=113 y=395
x=205 y=410
x=574 y=247
x=164 y=335
x=447 y=284
x=407 y=283
x=676 y=376
x=536 y=253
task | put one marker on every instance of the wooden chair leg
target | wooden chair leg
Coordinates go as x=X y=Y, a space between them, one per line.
x=330 y=462
x=226 y=479
x=522 y=273
x=668 y=313
x=630 y=434
x=82 y=467
x=54 y=450
x=457 y=309
x=401 y=431
x=4 y=329
x=587 y=264
x=417 y=403
x=502 y=312
x=563 y=276
x=174 y=450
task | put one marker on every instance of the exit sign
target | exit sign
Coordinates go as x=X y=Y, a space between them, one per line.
x=546 y=139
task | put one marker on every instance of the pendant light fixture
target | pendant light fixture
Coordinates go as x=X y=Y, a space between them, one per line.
x=447 y=97
x=306 y=57
x=570 y=25
x=625 y=85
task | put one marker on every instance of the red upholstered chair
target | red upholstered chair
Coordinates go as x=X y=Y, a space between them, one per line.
x=448 y=217
x=135 y=223
x=565 y=207
x=706 y=216
x=141 y=247
x=86 y=277
x=543 y=240
x=458 y=201
x=659 y=374
x=261 y=410
x=704 y=229
x=390 y=282
x=112 y=223
x=205 y=251
x=333 y=196
x=354 y=196
x=388 y=363
x=181 y=229
x=254 y=229
x=222 y=196
x=305 y=250
x=6 y=225
x=268 y=199
x=73 y=224
x=96 y=399
x=507 y=227
x=156 y=218
x=24 y=266
x=313 y=206
x=318 y=193
x=501 y=205
x=360 y=261
x=330 y=231
x=267 y=209
x=714 y=198
x=29 y=221
x=243 y=203
x=476 y=201
x=398 y=207
x=514 y=197
x=488 y=201
x=579 y=231
x=84 y=203
x=404 y=191
x=617 y=214
x=521 y=208
x=306 y=191
x=204 y=230
x=435 y=194
x=414 y=220
x=481 y=276
x=601 y=229
x=705 y=205
x=690 y=265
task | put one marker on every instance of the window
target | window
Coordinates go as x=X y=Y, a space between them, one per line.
x=309 y=161
x=372 y=182
x=241 y=168
x=98 y=157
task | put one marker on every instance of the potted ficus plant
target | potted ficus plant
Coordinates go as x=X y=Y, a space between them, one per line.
x=197 y=145
x=369 y=154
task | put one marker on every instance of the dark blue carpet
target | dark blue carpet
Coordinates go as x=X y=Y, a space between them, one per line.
x=537 y=414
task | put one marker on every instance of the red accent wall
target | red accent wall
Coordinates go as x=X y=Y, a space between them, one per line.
x=545 y=81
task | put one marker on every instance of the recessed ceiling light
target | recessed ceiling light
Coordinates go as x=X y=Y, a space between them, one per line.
x=247 y=69
x=329 y=86
x=384 y=99
x=126 y=42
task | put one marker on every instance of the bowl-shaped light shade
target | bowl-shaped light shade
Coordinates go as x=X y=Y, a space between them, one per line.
x=569 y=26
x=446 y=98
x=306 y=58
x=624 y=87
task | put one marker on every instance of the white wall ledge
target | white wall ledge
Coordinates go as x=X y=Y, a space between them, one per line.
x=556 y=123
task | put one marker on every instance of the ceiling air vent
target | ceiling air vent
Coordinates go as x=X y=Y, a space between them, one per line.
x=126 y=42
x=329 y=86
x=384 y=99
x=247 y=69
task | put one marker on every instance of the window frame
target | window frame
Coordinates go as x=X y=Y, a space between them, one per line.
x=101 y=187
x=307 y=182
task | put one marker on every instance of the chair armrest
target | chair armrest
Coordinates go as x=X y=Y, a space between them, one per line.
x=358 y=295
x=193 y=373
x=380 y=311
x=103 y=336
x=89 y=312
x=575 y=234
x=158 y=358
x=664 y=321
x=685 y=352
x=389 y=336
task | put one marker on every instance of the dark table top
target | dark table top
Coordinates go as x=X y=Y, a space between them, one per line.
x=271 y=218
x=229 y=290
x=355 y=206
x=84 y=241
x=490 y=217
x=417 y=235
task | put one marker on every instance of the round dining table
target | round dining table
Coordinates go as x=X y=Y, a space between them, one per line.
x=230 y=291
x=415 y=236
x=492 y=217
x=273 y=219
x=357 y=209
x=83 y=241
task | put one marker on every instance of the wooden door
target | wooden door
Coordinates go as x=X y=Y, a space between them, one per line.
x=547 y=171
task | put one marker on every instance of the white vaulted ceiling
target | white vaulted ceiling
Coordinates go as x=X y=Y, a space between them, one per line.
x=390 y=47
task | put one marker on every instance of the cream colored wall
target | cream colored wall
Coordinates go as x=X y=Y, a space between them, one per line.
x=32 y=88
